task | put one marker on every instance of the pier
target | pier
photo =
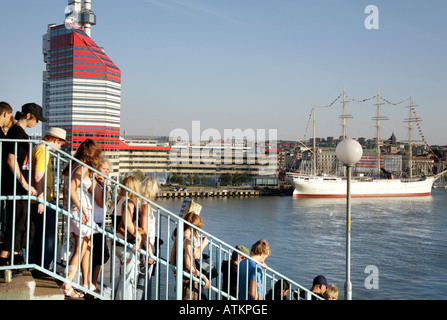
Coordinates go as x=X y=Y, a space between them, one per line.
x=220 y=192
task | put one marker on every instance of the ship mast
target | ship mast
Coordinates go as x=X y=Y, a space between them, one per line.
x=410 y=147
x=314 y=164
x=378 y=119
x=410 y=121
x=344 y=116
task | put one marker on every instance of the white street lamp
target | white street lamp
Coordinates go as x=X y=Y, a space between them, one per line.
x=348 y=152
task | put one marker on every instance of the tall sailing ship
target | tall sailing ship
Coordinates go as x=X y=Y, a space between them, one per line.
x=323 y=186
x=314 y=186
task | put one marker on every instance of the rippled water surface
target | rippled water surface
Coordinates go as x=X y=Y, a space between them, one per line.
x=404 y=238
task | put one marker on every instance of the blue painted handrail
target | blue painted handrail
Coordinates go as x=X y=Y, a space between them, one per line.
x=164 y=283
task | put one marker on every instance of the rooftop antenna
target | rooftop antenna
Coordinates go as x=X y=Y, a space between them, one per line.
x=79 y=14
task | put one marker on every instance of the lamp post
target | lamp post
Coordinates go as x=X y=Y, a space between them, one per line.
x=348 y=152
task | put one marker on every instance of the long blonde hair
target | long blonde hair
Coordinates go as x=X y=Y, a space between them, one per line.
x=132 y=183
x=149 y=188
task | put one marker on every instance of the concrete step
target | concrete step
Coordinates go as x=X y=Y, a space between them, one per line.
x=27 y=287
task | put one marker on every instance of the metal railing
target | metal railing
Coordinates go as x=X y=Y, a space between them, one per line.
x=126 y=273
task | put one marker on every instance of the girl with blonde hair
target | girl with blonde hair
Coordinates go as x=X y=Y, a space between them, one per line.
x=100 y=251
x=149 y=190
x=191 y=243
x=126 y=213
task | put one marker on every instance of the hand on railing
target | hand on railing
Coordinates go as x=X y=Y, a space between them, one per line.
x=33 y=191
x=205 y=241
x=138 y=242
x=207 y=282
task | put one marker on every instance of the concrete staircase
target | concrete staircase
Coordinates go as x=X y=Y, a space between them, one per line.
x=29 y=287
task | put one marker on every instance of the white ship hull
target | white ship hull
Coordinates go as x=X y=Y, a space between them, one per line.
x=335 y=187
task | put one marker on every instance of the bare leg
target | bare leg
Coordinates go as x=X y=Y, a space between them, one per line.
x=73 y=267
x=95 y=274
x=85 y=261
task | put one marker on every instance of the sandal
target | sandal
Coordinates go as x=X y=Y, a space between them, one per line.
x=92 y=287
x=69 y=293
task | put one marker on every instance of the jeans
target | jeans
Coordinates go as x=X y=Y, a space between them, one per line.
x=39 y=239
x=143 y=289
x=126 y=289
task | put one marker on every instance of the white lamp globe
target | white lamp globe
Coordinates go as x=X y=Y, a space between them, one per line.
x=349 y=152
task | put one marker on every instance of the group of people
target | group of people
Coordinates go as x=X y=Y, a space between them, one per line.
x=15 y=180
x=136 y=223
x=242 y=278
x=251 y=277
x=84 y=197
x=133 y=221
x=321 y=288
x=251 y=273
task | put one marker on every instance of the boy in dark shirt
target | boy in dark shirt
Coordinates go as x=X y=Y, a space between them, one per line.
x=16 y=169
x=5 y=119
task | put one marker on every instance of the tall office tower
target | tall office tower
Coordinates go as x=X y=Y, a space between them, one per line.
x=81 y=85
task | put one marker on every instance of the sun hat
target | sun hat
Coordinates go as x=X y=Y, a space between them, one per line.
x=57 y=133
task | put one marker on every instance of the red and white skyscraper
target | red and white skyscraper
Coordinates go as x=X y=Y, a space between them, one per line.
x=82 y=94
x=81 y=85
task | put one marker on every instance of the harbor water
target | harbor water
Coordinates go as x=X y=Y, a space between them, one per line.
x=402 y=242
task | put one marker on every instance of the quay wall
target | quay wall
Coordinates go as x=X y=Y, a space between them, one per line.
x=217 y=192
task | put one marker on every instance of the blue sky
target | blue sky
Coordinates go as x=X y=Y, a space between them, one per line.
x=259 y=64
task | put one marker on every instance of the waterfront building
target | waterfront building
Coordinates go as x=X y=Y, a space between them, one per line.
x=144 y=156
x=212 y=162
x=82 y=94
x=389 y=162
x=421 y=164
x=327 y=161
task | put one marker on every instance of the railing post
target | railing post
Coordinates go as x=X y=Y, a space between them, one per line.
x=179 y=260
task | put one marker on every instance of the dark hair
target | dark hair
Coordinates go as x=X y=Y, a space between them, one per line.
x=4 y=106
x=277 y=292
x=22 y=115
